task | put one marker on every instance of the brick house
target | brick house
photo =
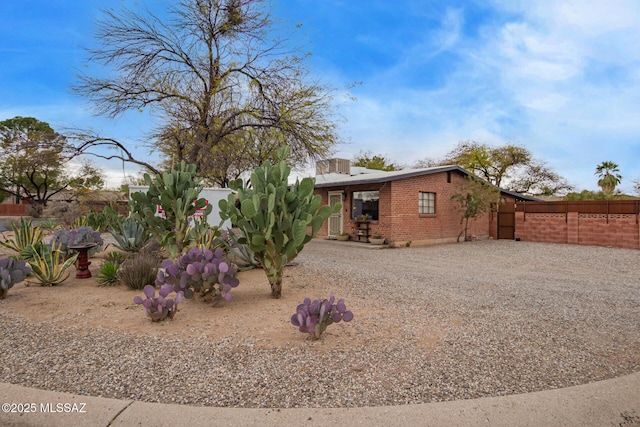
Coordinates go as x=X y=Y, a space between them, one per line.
x=413 y=205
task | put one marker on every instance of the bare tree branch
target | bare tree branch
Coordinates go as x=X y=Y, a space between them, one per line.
x=219 y=76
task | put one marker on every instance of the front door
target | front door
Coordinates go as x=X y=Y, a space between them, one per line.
x=335 y=220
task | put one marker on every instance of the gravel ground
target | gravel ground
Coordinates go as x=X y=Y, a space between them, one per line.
x=511 y=317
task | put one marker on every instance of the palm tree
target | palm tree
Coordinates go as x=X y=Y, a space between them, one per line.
x=607 y=171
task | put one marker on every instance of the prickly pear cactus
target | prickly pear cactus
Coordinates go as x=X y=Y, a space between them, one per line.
x=11 y=272
x=277 y=220
x=177 y=192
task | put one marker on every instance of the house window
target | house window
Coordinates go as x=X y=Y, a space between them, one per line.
x=365 y=203
x=427 y=203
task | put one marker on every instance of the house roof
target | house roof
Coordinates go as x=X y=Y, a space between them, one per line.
x=369 y=176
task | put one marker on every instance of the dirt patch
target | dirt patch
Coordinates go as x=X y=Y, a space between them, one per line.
x=251 y=316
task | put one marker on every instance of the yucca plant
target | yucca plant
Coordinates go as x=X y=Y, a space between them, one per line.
x=49 y=266
x=130 y=236
x=23 y=236
x=81 y=221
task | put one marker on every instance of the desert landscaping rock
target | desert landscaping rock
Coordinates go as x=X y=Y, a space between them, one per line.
x=445 y=322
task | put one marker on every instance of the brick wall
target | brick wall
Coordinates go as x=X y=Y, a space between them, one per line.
x=541 y=227
x=399 y=220
x=407 y=224
x=614 y=230
x=618 y=230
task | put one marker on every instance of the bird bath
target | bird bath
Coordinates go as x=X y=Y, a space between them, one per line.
x=82 y=266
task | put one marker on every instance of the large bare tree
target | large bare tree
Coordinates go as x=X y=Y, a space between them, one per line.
x=228 y=88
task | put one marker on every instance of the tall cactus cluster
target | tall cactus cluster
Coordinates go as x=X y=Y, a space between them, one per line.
x=277 y=220
x=177 y=192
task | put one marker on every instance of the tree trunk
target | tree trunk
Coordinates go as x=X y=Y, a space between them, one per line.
x=276 y=288
x=275 y=280
x=466 y=226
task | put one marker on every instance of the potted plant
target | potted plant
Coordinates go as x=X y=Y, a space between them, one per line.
x=362 y=218
x=343 y=236
x=376 y=239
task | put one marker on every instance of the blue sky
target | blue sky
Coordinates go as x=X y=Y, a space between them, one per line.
x=561 y=78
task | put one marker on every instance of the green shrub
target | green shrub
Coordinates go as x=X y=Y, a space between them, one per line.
x=49 y=225
x=108 y=273
x=139 y=270
x=102 y=221
x=34 y=210
x=116 y=257
x=63 y=211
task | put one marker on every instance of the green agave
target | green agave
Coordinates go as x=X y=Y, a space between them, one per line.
x=130 y=236
x=23 y=236
x=49 y=266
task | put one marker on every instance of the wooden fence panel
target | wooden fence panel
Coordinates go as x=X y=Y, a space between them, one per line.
x=12 y=209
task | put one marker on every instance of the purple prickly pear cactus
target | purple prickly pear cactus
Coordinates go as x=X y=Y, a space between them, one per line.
x=159 y=307
x=200 y=270
x=313 y=317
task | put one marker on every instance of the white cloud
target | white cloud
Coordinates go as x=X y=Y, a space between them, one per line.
x=554 y=77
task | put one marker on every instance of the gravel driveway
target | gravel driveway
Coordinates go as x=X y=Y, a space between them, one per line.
x=510 y=317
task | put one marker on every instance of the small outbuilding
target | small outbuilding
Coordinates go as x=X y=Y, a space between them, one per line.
x=414 y=206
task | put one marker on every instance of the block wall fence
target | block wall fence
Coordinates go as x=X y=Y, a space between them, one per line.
x=611 y=224
x=614 y=230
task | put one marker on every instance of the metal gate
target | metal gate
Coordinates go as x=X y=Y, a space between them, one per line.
x=335 y=220
x=507 y=221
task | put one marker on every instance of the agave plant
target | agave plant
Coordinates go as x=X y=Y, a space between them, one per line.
x=11 y=272
x=23 y=236
x=49 y=266
x=131 y=236
x=108 y=273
